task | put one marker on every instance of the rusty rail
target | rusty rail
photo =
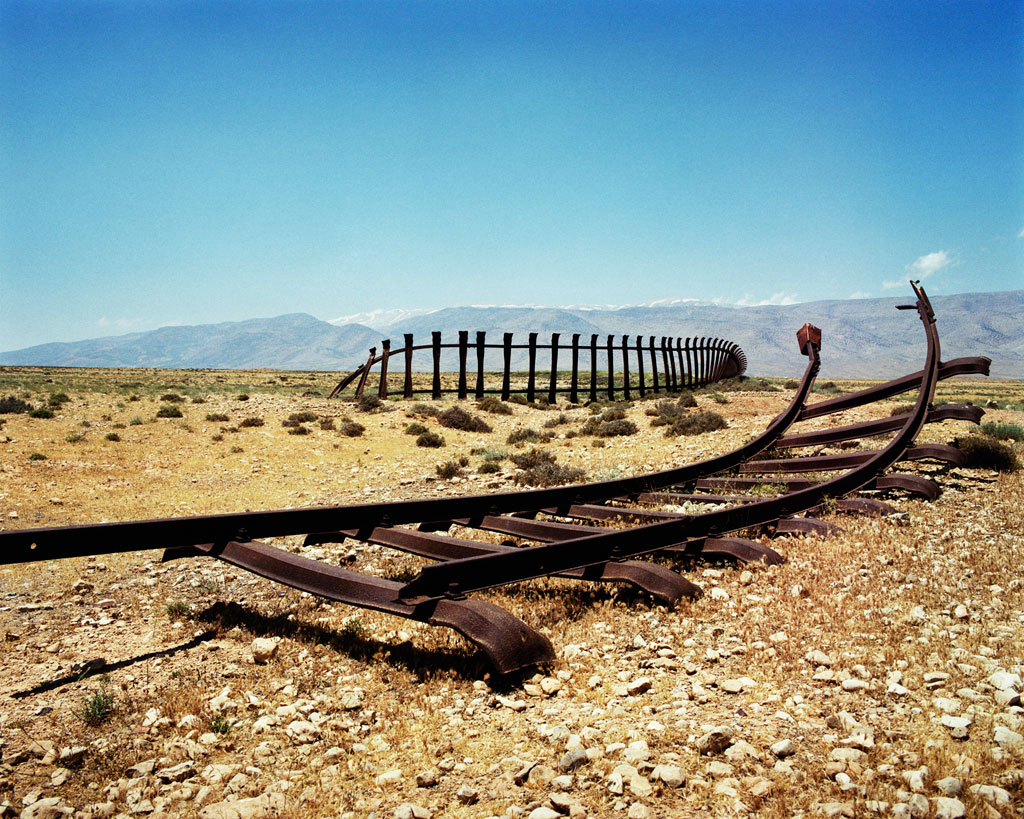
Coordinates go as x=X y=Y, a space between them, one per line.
x=568 y=526
x=685 y=363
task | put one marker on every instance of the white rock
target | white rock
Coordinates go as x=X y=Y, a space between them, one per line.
x=670 y=775
x=1001 y=680
x=947 y=807
x=544 y=812
x=990 y=793
x=950 y=786
x=392 y=777
x=263 y=649
x=783 y=748
x=1008 y=740
x=816 y=657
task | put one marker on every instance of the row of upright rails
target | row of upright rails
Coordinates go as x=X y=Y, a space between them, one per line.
x=598 y=532
x=612 y=366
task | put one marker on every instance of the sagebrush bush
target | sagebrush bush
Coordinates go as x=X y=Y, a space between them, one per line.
x=298 y=429
x=448 y=470
x=489 y=467
x=172 y=398
x=1005 y=432
x=901 y=409
x=550 y=474
x=984 y=452
x=416 y=429
x=695 y=424
x=430 y=439
x=113 y=436
x=327 y=424
x=527 y=435
x=368 y=403
x=216 y=416
x=557 y=421
x=251 y=422
x=535 y=457
x=424 y=410
x=610 y=423
x=168 y=411
x=458 y=418
x=303 y=417
x=41 y=412
x=493 y=405
x=58 y=399
x=11 y=405
x=350 y=428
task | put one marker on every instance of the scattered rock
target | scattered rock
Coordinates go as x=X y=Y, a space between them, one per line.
x=263 y=650
x=716 y=740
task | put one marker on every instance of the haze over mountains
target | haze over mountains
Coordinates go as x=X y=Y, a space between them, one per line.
x=865 y=338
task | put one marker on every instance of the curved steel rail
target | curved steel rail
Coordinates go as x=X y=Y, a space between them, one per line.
x=437 y=594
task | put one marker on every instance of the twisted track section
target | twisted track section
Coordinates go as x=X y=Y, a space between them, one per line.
x=592 y=532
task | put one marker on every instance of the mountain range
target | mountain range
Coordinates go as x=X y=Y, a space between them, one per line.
x=862 y=338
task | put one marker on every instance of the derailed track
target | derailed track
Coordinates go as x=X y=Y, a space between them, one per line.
x=559 y=522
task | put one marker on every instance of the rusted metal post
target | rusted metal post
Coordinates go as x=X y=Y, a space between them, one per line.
x=463 y=350
x=407 y=389
x=625 y=367
x=593 y=367
x=366 y=372
x=574 y=394
x=679 y=355
x=435 y=392
x=690 y=360
x=654 y=366
x=480 y=335
x=507 y=353
x=611 y=368
x=640 y=365
x=670 y=363
x=382 y=392
x=552 y=386
x=531 y=375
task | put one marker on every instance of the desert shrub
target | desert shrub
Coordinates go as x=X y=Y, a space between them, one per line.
x=516 y=398
x=134 y=397
x=493 y=405
x=58 y=399
x=416 y=429
x=327 y=424
x=744 y=384
x=289 y=422
x=430 y=439
x=608 y=424
x=424 y=410
x=168 y=411
x=236 y=449
x=298 y=429
x=718 y=398
x=303 y=417
x=612 y=429
x=216 y=416
x=368 y=403
x=172 y=398
x=251 y=422
x=535 y=457
x=557 y=421
x=112 y=436
x=41 y=412
x=37 y=456
x=490 y=454
x=828 y=387
x=97 y=707
x=350 y=428
x=458 y=418
x=518 y=436
x=1005 y=432
x=74 y=437
x=217 y=438
x=686 y=399
x=12 y=405
x=547 y=472
x=198 y=400
x=987 y=453
x=791 y=384
x=664 y=409
x=136 y=422
x=489 y=467
x=695 y=423
x=448 y=470
x=242 y=396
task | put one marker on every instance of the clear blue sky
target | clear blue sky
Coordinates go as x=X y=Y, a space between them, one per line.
x=193 y=162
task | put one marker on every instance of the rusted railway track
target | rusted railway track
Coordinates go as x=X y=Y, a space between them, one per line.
x=660 y=365
x=592 y=532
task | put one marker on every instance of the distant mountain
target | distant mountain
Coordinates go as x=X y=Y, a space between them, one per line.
x=864 y=338
x=296 y=341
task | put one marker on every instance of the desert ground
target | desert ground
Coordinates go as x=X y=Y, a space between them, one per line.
x=877 y=672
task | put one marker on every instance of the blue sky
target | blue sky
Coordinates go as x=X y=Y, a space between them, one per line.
x=193 y=162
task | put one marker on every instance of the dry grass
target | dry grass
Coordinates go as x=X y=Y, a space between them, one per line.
x=425 y=700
